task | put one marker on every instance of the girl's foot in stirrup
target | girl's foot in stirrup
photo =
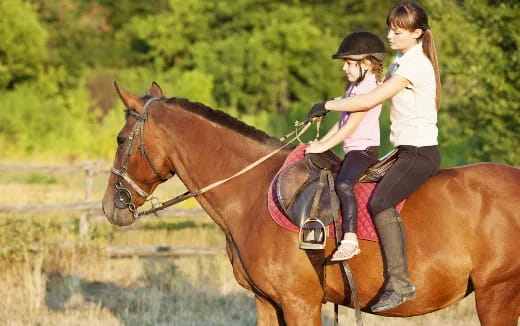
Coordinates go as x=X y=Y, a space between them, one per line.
x=347 y=249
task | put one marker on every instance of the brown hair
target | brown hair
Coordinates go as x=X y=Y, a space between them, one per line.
x=377 y=67
x=411 y=16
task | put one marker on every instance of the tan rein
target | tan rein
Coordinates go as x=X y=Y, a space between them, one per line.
x=162 y=205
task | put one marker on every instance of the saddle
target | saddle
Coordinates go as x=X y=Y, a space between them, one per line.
x=298 y=184
x=304 y=191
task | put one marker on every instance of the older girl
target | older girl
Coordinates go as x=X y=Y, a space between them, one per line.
x=413 y=88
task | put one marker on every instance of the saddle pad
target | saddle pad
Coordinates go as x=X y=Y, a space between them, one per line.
x=363 y=191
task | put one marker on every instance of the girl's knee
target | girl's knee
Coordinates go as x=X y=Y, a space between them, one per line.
x=377 y=205
x=344 y=188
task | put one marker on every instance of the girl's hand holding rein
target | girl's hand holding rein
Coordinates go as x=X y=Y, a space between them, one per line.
x=316 y=147
x=317 y=110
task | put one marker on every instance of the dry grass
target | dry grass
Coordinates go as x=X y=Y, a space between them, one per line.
x=78 y=285
x=88 y=288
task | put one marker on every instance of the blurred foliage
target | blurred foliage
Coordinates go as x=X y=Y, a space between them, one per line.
x=22 y=45
x=26 y=236
x=38 y=178
x=480 y=112
x=265 y=62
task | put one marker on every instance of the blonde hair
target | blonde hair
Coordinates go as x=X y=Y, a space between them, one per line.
x=411 y=16
x=376 y=67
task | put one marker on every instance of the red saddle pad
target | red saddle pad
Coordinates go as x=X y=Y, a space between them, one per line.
x=363 y=191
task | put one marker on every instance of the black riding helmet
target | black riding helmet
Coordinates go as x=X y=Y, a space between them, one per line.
x=360 y=44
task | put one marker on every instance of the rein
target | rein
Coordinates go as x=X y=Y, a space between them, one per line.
x=123 y=197
x=199 y=192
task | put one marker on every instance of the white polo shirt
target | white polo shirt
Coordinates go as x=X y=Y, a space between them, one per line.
x=413 y=111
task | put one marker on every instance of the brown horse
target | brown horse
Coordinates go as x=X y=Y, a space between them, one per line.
x=463 y=225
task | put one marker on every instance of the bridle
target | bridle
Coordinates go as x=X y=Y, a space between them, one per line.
x=122 y=196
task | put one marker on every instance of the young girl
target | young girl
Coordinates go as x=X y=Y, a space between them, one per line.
x=362 y=54
x=414 y=92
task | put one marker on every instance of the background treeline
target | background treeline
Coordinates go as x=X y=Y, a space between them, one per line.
x=265 y=62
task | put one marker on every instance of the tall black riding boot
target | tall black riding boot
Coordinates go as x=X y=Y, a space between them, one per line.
x=399 y=288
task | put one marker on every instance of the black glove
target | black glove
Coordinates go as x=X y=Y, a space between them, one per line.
x=317 y=110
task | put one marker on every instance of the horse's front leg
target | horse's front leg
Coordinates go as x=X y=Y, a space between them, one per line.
x=268 y=313
x=499 y=304
x=299 y=311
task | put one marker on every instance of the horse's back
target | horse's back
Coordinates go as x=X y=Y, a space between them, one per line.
x=486 y=186
x=495 y=176
x=488 y=190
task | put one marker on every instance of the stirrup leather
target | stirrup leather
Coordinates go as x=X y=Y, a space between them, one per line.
x=312 y=231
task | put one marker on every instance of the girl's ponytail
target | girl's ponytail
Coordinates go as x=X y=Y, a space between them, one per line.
x=377 y=68
x=428 y=44
x=411 y=16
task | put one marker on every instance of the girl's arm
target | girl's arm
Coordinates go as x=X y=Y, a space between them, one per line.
x=345 y=131
x=331 y=132
x=367 y=101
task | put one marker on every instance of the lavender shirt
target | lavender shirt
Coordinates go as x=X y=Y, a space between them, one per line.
x=367 y=133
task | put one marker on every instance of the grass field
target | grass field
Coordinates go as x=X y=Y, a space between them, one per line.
x=49 y=277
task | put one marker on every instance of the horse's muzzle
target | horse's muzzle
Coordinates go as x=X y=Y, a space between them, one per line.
x=122 y=198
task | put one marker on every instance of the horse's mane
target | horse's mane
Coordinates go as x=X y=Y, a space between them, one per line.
x=224 y=119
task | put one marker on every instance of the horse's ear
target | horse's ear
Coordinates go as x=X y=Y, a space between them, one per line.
x=155 y=90
x=130 y=100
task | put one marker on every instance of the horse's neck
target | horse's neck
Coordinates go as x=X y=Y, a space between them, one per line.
x=205 y=152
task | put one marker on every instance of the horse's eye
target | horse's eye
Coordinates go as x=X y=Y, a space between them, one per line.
x=120 y=140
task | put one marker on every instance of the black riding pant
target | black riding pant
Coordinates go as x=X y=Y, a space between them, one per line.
x=353 y=166
x=414 y=165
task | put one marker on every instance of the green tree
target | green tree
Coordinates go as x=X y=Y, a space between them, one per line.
x=478 y=44
x=261 y=56
x=22 y=44
x=266 y=62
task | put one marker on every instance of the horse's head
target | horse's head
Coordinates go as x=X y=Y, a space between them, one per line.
x=141 y=162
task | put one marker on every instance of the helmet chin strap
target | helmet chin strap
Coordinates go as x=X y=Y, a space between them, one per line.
x=362 y=73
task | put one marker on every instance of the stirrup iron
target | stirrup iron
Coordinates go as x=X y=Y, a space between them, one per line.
x=312 y=235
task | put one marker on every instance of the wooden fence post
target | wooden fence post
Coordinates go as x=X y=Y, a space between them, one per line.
x=84 y=217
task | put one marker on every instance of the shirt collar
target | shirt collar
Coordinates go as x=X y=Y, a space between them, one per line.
x=412 y=51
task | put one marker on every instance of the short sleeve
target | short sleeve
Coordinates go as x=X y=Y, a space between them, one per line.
x=413 y=70
x=366 y=87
